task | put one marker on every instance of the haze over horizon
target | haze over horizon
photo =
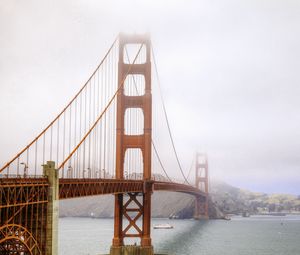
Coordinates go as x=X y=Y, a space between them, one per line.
x=229 y=71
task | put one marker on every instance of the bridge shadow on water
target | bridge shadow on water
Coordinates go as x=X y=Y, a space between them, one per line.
x=183 y=239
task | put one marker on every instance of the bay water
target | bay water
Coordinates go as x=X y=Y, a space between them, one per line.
x=256 y=235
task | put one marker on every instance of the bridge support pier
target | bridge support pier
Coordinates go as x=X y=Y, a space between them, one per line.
x=52 y=209
x=201 y=208
x=131 y=250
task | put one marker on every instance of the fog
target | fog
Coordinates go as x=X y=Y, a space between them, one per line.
x=229 y=71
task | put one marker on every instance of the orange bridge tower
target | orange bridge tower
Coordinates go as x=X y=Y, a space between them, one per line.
x=131 y=207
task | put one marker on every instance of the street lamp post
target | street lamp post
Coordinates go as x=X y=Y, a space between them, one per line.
x=25 y=169
x=70 y=172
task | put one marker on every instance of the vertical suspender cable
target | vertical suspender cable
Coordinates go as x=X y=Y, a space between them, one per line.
x=154 y=147
x=166 y=117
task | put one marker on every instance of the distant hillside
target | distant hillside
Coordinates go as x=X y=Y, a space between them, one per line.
x=234 y=200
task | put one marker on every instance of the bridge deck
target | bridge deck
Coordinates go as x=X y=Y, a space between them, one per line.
x=72 y=188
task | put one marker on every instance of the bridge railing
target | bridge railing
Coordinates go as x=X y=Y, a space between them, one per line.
x=18 y=176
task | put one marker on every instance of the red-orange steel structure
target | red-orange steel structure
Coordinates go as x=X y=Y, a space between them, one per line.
x=142 y=142
x=23 y=211
x=73 y=188
x=23 y=208
x=26 y=201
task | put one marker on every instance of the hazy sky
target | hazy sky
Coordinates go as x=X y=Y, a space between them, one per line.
x=230 y=72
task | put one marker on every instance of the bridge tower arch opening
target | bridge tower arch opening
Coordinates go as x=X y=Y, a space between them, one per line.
x=201 y=183
x=134 y=206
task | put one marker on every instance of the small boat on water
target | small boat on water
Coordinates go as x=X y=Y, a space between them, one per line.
x=246 y=214
x=163 y=226
x=226 y=217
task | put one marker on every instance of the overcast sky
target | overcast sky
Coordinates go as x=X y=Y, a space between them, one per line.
x=230 y=72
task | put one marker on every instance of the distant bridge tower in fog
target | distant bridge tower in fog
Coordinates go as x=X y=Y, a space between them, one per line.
x=201 y=183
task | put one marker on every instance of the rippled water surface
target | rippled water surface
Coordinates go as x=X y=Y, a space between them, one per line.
x=257 y=235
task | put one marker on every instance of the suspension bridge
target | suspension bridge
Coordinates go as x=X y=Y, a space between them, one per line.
x=104 y=141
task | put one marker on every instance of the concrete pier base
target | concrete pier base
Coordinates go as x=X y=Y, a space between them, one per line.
x=52 y=209
x=131 y=250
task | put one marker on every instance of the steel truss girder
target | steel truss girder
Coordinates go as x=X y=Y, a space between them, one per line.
x=178 y=187
x=70 y=188
x=131 y=206
x=23 y=208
